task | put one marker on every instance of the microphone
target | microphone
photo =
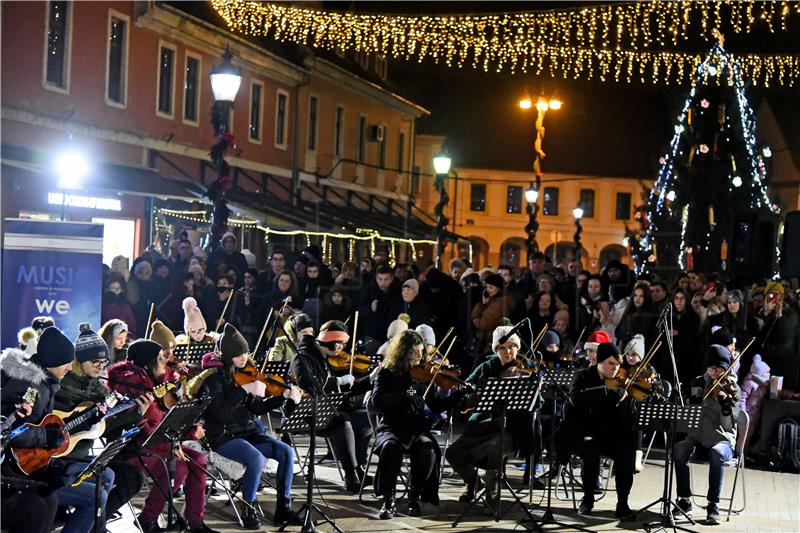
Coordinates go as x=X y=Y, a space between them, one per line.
x=515 y=329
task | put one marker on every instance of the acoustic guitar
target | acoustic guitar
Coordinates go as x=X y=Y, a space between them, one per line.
x=6 y=435
x=30 y=460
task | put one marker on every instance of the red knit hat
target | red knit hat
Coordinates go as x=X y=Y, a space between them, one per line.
x=596 y=339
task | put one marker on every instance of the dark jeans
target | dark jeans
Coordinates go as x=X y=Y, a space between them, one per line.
x=719 y=454
x=623 y=454
x=28 y=512
x=423 y=462
x=252 y=451
x=477 y=447
x=349 y=434
x=82 y=497
x=128 y=481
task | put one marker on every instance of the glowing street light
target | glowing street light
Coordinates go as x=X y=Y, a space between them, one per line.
x=71 y=168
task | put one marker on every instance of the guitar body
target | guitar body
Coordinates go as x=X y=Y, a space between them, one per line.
x=31 y=460
x=94 y=432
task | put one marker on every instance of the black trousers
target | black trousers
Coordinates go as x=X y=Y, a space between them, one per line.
x=128 y=481
x=349 y=434
x=621 y=450
x=28 y=512
x=423 y=464
x=477 y=447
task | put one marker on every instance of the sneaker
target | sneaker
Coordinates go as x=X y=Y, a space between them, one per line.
x=586 y=507
x=684 y=505
x=413 y=508
x=387 y=509
x=712 y=518
x=639 y=465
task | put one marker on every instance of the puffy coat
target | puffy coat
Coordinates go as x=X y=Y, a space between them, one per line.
x=18 y=374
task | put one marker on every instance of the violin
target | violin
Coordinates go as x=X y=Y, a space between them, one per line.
x=275 y=385
x=446 y=377
x=724 y=392
x=340 y=362
x=167 y=394
x=638 y=389
x=184 y=370
x=517 y=367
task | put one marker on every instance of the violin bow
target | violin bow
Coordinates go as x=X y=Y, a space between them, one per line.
x=149 y=318
x=222 y=316
x=643 y=364
x=730 y=368
x=261 y=336
x=353 y=350
x=646 y=359
x=441 y=343
x=578 y=342
x=539 y=338
x=438 y=368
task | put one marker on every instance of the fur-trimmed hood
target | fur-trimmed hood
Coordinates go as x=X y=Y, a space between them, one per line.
x=15 y=365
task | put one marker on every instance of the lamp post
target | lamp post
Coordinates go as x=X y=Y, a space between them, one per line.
x=71 y=167
x=441 y=167
x=578 y=214
x=532 y=209
x=225 y=81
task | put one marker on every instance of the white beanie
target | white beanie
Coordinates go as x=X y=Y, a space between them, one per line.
x=396 y=327
x=193 y=318
x=427 y=334
x=636 y=345
x=499 y=332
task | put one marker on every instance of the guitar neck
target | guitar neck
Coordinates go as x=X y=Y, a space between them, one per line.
x=7 y=423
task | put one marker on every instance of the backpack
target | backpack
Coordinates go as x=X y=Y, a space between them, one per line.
x=785 y=454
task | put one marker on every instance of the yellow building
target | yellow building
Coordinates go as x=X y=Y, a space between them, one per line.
x=488 y=206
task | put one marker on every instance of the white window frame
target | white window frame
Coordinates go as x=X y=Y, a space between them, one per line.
x=116 y=14
x=199 y=58
x=174 y=48
x=340 y=153
x=260 y=112
x=68 y=56
x=316 y=126
x=284 y=144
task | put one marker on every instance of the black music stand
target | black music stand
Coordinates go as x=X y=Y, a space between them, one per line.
x=97 y=469
x=193 y=353
x=171 y=430
x=504 y=395
x=277 y=368
x=667 y=418
x=314 y=413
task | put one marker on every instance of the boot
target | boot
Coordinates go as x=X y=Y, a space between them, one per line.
x=352 y=482
x=387 y=509
x=623 y=511
x=202 y=528
x=284 y=514
x=250 y=516
x=473 y=487
x=362 y=474
x=414 y=508
x=149 y=526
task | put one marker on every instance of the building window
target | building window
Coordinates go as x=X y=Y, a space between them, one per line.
x=382 y=147
x=587 y=202
x=415 y=180
x=256 y=90
x=338 y=129
x=623 y=206
x=514 y=199
x=166 y=79
x=117 y=59
x=401 y=151
x=313 y=105
x=280 y=119
x=477 y=197
x=191 y=90
x=57 y=45
x=362 y=139
x=550 y=204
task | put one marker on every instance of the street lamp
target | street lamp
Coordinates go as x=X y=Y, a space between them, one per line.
x=71 y=167
x=578 y=214
x=532 y=209
x=441 y=166
x=225 y=81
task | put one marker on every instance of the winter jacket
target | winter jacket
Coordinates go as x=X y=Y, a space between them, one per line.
x=235 y=259
x=418 y=310
x=284 y=349
x=716 y=427
x=121 y=310
x=230 y=413
x=311 y=370
x=486 y=317
x=17 y=375
x=375 y=323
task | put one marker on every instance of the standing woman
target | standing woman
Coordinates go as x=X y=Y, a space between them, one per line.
x=232 y=432
x=115 y=333
x=640 y=316
x=405 y=427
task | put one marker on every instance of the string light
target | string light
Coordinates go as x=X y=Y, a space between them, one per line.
x=613 y=41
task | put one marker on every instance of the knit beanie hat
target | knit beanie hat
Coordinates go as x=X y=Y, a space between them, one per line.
x=496 y=280
x=501 y=331
x=143 y=352
x=736 y=294
x=162 y=335
x=118 y=328
x=774 y=286
x=42 y=322
x=721 y=336
x=193 y=317
x=550 y=337
x=299 y=322
x=411 y=284
x=636 y=345
x=332 y=331
x=397 y=326
x=606 y=350
x=718 y=356
x=427 y=334
x=595 y=339
x=26 y=337
x=231 y=344
x=759 y=368
x=54 y=348
x=89 y=346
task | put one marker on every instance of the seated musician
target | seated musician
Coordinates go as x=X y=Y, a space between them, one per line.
x=551 y=348
x=405 y=426
x=145 y=368
x=231 y=430
x=54 y=356
x=599 y=420
x=195 y=330
x=349 y=432
x=81 y=385
x=634 y=353
x=296 y=326
x=716 y=434
x=590 y=348
x=25 y=509
x=479 y=444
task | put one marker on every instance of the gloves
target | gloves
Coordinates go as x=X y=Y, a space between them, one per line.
x=347 y=379
x=54 y=436
x=256 y=388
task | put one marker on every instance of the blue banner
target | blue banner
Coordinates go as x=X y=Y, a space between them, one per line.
x=51 y=269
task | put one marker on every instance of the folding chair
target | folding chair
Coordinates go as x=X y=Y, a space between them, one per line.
x=374 y=419
x=736 y=462
x=574 y=485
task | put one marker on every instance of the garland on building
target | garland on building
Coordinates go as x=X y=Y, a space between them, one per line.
x=713 y=173
x=616 y=41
